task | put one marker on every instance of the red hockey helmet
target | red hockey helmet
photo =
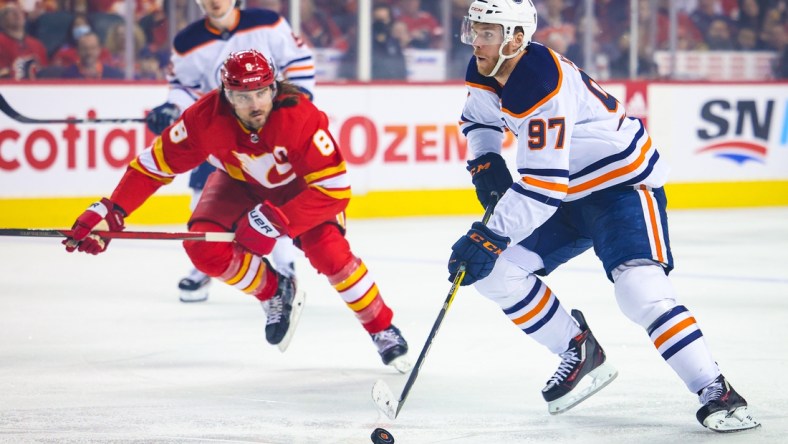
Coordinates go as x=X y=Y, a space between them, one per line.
x=246 y=70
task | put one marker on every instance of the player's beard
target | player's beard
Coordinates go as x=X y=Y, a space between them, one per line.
x=486 y=65
x=254 y=121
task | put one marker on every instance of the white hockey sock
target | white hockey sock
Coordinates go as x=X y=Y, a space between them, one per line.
x=540 y=315
x=678 y=339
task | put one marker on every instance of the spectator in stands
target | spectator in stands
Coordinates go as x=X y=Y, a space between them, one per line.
x=600 y=52
x=686 y=29
x=156 y=25
x=707 y=12
x=552 y=21
x=610 y=14
x=67 y=54
x=150 y=65
x=646 y=69
x=318 y=28
x=388 y=61
x=718 y=36
x=345 y=14
x=747 y=40
x=21 y=55
x=89 y=65
x=116 y=44
x=750 y=15
x=424 y=31
x=459 y=53
x=774 y=36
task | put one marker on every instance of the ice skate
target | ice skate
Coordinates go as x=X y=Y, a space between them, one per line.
x=723 y=409
x=393 y=348
x=582 y=372
x=195 y=286
x=282 y=313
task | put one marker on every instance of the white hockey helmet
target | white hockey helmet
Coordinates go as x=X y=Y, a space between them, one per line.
x=508 y=13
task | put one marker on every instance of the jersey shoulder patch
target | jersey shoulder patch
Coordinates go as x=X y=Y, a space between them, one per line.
x=535 y=79
x=475 y=80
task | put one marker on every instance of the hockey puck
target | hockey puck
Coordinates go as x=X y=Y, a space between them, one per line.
x=382 y=436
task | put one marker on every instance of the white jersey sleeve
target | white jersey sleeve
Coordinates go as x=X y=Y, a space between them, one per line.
x=572 y=139
x=200 y=50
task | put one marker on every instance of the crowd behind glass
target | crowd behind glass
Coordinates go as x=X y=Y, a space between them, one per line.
x=89 y=39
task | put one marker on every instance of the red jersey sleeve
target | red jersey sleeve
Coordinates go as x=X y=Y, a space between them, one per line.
x=319 y=162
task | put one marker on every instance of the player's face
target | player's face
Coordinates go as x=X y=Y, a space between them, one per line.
x=486 y=39
x=252 y=107
x=216 y=8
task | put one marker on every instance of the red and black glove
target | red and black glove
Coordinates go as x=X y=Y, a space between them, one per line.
x=257 y=232
x=82 y=240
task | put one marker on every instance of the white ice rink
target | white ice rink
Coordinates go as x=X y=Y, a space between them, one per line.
x=99 y=349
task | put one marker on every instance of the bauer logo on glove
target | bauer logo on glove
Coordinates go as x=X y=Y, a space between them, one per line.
x=262 y=224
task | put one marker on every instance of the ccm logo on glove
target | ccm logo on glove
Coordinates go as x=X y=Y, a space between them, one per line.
x=486 y=244
x=474 y=170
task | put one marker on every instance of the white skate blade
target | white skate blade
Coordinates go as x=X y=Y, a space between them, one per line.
x=591 y=383
x=401 y=363
x=384 y=399
x=736 y=421
x=295 y=315
x=199 y=295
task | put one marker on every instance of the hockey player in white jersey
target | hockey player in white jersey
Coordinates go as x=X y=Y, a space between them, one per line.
x=198 y=53
x=588 y=176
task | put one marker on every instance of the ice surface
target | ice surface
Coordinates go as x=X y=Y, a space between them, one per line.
x=99 y=349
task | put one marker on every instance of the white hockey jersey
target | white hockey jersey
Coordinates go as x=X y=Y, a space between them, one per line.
x=199 y=50
x=572 y=138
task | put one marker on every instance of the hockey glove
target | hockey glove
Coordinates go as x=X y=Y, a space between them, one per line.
x=489 y=173
x=82 y=239
x=478 y=250
x=257 y=232
x=161 y=117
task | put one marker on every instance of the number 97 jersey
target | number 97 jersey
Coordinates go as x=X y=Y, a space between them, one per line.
x=573 y=138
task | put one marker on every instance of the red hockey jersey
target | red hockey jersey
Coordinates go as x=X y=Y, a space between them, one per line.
x=293 y=161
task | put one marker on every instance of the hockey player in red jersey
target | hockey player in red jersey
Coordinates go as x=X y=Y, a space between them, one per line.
x=588 y=176
x=280 y=173
x=198 y=51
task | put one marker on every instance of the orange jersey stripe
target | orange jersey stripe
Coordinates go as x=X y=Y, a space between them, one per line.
x=652 y=216
x=615 y=173
x=552 y=186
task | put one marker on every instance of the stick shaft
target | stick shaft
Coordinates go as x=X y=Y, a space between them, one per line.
x=436 y=326
x=8 y=110
x=208 y=237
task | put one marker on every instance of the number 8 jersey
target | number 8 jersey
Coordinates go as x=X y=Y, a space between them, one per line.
x=573 y=138
x=292 y=161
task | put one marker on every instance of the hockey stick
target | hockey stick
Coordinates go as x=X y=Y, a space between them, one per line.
x=6 y=108
x=381 y=393
x=207 y=237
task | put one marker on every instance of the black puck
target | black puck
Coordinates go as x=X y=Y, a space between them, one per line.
x=382 y=436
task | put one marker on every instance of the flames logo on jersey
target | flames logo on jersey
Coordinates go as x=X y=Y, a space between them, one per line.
x=270 y=169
